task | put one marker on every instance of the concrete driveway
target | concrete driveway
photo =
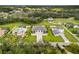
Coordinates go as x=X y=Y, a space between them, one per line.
x=64 y=38
x=39 y=36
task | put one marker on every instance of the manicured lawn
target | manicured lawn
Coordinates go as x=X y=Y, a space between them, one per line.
x=74 y=48
x=28 y=37
x=73 y=30
x=51 y=38
x=11 y=25
x=46 y=23
x=69 y=36
x=13 y=38
x=64 y=20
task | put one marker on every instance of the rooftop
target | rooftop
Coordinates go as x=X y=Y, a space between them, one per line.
x=39 y=28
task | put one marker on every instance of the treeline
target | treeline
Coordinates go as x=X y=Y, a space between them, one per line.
x=31 y=14
x=8 y=48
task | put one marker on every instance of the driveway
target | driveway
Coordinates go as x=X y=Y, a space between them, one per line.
x=64 y=38
x=39 y=36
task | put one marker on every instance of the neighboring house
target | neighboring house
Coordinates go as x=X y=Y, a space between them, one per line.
x=76 y=26
x=3 y=31
x=69 y=24
x=19 y=31
x=57 y=31
x=50 y=19
x=77 y=31
x=16 y=11
x=39 y=29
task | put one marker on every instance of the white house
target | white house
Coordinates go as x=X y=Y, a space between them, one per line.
x=19 y=31
x=50 y=19
x=3 y=31
x=76 y=26
x=57 y=31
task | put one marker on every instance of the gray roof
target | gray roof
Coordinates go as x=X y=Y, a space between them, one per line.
x=56 y=31
x=69 y=24
x=38 y=28
x=20 y=30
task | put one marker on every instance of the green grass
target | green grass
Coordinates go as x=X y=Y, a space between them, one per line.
x=51 y=38
x=11 y=25
x=29 y=38
x=69 y=36
x=64 y=20
x=13 y=39
x=74 y=48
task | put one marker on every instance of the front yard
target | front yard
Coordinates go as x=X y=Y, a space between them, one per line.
x=73 y=48
x=51 y=38
x=28 y=38
x=69 y=36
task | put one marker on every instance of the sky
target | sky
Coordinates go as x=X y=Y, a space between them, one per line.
x=39 y=2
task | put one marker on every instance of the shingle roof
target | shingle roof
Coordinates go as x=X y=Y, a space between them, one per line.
x=38 y=28
x=56 y=31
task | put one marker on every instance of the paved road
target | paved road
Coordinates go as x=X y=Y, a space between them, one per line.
x=71 y=33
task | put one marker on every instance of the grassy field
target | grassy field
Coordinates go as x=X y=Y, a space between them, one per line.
x=51 y=38
x=73 y=48
x=70 y=37
x=13 y=39
x=28 y=37
x=11 y=25
x=64 y=20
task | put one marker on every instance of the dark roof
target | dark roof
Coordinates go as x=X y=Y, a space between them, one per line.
x=38 y=28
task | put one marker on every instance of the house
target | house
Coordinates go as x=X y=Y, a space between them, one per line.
x=3 y=31
x=39 y=32
x=69 y=24
x=77 y=31
x=76 y=26
x=50 y=19
x=57 y=31
x=39 y=29
x=19 y=31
